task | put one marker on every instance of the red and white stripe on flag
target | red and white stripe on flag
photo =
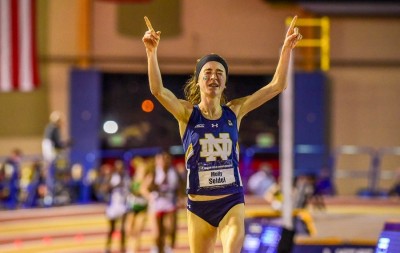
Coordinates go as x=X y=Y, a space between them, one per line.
x=18 y=55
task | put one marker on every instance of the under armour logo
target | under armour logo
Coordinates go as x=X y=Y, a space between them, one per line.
x=214 y=125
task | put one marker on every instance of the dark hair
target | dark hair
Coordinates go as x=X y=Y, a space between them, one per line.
x=208 y=58
x=192 y=90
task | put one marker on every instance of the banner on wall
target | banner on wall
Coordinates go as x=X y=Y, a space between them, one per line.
x=165 y=16
x=18 y=52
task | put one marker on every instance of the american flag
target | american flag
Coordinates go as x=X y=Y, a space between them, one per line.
x=18 y=52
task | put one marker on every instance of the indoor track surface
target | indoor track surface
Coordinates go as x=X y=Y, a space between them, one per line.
x=82 y=229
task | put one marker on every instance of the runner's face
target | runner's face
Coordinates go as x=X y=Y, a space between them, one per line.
x=212 y=79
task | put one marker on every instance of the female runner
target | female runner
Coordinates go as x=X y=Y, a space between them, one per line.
x=209 y=128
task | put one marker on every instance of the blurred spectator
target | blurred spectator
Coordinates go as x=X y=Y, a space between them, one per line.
x=274 y=196
x=180 y=199
x=116 y=210
x=262 y=180
x=182 y=173
x=9 y=179
x=15 y=158
x=75 y=183
x=163 y=202
x=24 y=182
x=52 y=147
x=89 y=181
x=305 y=192
x=324 y=185
x=31 y=179
x=101 y=182
x=38 y=187
x=137 y=202
x=52 y=143
x=395 y=189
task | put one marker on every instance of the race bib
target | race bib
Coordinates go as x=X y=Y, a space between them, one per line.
x=216 y=174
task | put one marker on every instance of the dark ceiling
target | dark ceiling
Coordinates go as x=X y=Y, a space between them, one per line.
x=353 y=8
x=382 y=8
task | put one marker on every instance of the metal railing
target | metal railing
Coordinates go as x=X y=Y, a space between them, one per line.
x=373 y=174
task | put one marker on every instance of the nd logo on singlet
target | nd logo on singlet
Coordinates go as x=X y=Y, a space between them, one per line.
x=212 y=147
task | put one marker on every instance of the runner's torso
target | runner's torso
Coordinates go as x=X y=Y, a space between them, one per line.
x=212 y=154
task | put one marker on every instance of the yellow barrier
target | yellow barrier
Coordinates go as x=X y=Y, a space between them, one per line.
x=322 y=42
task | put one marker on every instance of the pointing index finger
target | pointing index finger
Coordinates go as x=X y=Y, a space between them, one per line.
x=293 y=23
x=148 y=24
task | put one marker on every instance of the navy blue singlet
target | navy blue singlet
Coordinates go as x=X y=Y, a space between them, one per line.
x=212 y=154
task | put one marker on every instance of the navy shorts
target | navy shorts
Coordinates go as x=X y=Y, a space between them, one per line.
x=213 y=211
